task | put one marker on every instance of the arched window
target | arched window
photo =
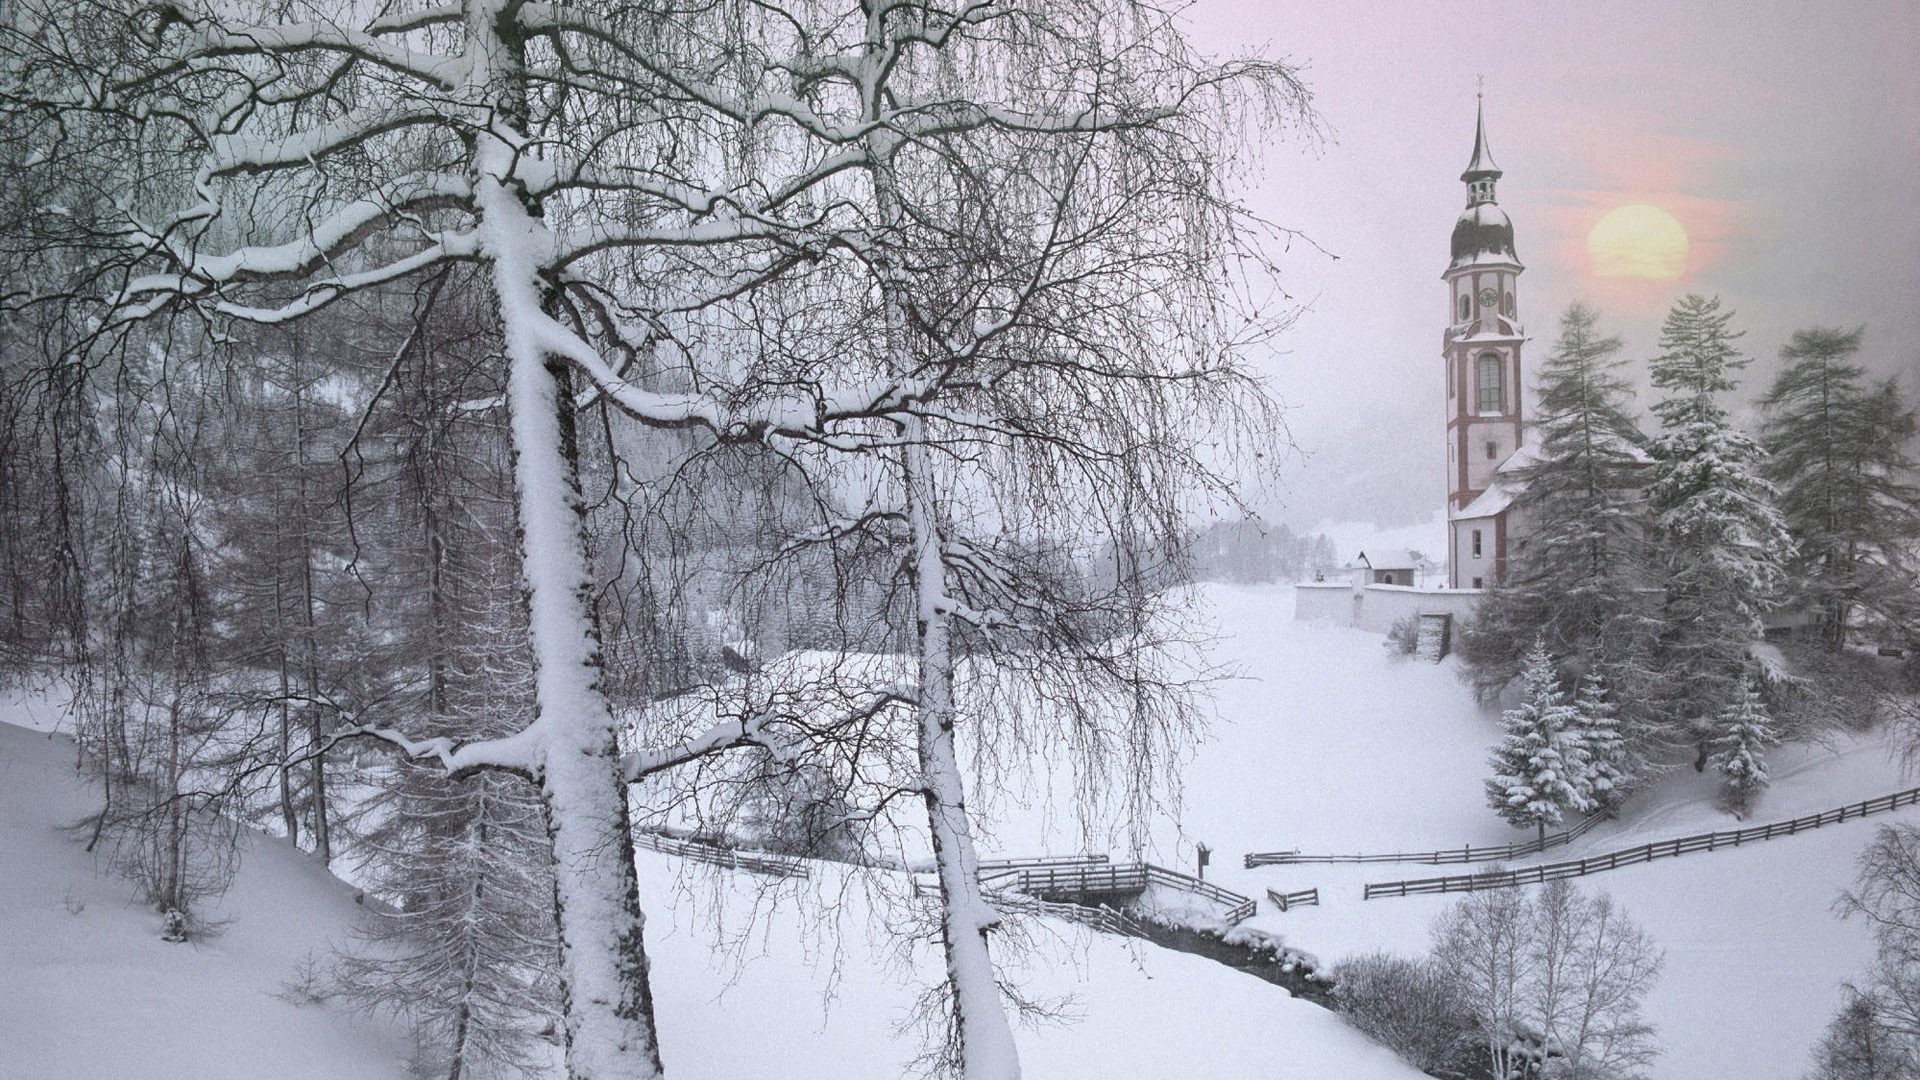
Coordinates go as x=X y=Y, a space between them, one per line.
x=1464 y=309
x=1491 y=400
x=1510 y=311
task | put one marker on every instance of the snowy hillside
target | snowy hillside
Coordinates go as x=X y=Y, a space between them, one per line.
x=809 y=988
x=90 y=991
x=1330 y=746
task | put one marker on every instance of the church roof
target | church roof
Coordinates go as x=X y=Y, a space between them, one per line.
x=1504 y=488
x=1482 y=166
x=1484 y=233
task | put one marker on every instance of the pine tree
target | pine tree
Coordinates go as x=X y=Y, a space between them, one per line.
x=1540 y=768
x=1578 y=580
x=1721 y=544
x=1841 y=459
x=1610 y=763
x=1746 y=731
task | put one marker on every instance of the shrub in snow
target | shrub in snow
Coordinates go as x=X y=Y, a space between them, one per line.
x=1745 y=733
x=1541 y=767
x=1412 y=1007
x=1403 y=637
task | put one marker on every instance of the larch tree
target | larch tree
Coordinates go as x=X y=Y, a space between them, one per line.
x=1720 y=545
x=1580 y=583
x=1841 y=455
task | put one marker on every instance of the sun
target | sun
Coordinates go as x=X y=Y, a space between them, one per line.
x=1638 y=241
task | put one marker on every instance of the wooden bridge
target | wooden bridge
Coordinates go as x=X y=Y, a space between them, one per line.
x=1092 y=880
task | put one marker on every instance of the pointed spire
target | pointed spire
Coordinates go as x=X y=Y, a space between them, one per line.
x=1482 y=166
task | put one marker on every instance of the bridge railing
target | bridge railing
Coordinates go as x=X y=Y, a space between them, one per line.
x=1659 y=849
x=1092 y=876
x=1466 y=854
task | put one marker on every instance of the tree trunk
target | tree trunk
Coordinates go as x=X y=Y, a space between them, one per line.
x=316 y=717
x=986 y=1048
x=607 y=1004
x=289 y=816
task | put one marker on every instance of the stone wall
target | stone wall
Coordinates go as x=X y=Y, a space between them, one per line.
x=1378 y=607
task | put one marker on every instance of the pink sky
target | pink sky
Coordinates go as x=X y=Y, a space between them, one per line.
x=1784 y=137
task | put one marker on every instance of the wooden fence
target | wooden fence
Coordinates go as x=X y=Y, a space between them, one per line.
x=1659 y=849
x=1289 y=901
x=714 y=854
x=1467 y=854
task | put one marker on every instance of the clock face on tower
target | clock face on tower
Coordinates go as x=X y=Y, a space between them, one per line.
x=1487 y=297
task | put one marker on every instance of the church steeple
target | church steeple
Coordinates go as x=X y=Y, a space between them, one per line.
x=1481 y=171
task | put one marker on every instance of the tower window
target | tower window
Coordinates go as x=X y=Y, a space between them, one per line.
x=1476 y=544
x=1479 y=583
x=1491 y=399
x=1464 y=309
x=1493 y=450
x=1509 y=303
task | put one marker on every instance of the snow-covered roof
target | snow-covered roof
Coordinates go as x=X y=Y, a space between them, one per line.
x=1503 y=490
x=1386 y=559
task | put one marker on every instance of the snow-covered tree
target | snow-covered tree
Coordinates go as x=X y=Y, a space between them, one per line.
x=1579 y=583
x=1841 y=456
x=1541 y=771
x=1721 y=546
x=1743 y=733
x=717 y=222
x=1610 y=761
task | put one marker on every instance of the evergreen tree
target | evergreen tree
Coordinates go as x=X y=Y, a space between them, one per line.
x=1540 y=768
x=1841 y=459
x=1610 y=765
x=1721 y=544
x=1577 y=582
x=1746 y=731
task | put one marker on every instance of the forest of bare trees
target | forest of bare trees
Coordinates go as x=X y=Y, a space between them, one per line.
x=456 y=435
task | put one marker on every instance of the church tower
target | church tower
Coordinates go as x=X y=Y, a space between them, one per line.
x=1481 y=347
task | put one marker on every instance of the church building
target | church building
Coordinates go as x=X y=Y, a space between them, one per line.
x=1481 y=346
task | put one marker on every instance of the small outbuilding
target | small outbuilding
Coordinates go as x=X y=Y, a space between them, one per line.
x=1394 y=566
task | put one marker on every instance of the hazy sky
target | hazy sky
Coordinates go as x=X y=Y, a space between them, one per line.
x=1784 y=138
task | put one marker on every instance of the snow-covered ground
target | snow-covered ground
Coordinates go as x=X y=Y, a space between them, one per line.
x=1330 y=745
x=88 y=991
x=1325 y=744
x=811 y=987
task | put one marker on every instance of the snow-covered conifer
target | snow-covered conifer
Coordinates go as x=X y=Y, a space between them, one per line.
x=1746 y=731
x=1721 y=544
x=1610 y=764
x=1841 y=457
x=1540 y=768
x=1579 y=583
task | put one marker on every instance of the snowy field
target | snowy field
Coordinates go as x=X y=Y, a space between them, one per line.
x=1329 y=745
x=1326 y=744
x=810 y=989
